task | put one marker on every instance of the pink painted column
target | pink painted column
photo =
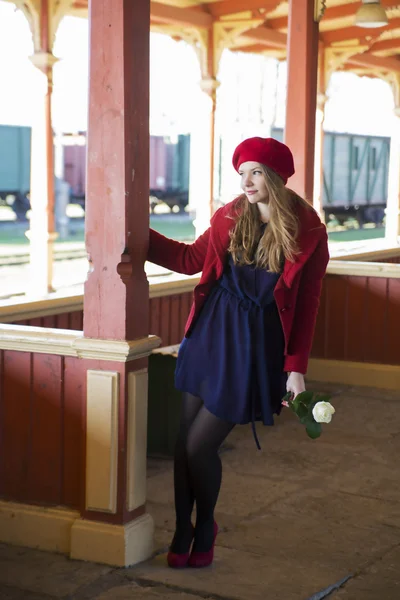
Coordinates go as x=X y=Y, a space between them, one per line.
x=301 y=101
x=117 y=213
x=42 y=232
x=115 y=528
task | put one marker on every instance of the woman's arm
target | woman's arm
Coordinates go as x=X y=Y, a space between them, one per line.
x=307 y=304
x=178 y=256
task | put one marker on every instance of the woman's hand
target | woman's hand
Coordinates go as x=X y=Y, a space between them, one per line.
x=295 y=383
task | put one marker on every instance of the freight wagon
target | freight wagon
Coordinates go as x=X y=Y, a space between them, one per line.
x=355 y=172
x=169 y=169
x=355 y=176
x=15 y=168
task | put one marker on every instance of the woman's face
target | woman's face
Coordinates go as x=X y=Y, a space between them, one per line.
x=252 y=182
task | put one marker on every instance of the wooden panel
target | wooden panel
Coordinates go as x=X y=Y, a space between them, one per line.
x=2 y=420
x=37 y=322
x=15 y=438
x=359 y=320
x=102 y=440
x=335 y=317
x=356 y=319
x=318 y=347
x=393 y=260
x=45 y=460
x=74 y=436
x=76 y=320
x=164 y=332
x=174 y=330
x=49 y=321
x=187 y=300
x=63 y=321
x=154 y=315
x=392 y=354
x=376 y=319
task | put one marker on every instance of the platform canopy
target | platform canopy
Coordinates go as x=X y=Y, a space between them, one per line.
x=260 y=26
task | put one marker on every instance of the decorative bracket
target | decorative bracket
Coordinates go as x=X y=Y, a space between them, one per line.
x=210 y=43
x=319 y=9
x=34 y=10
x=226 y=34
x=336 y=57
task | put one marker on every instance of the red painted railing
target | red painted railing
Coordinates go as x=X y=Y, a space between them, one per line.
x=41 y=428
x=42 y=397
x=358 y=320
x=168 y=316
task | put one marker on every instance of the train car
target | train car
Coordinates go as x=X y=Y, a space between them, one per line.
x=168 y=176
x=15 y=168
x=169 y=171
x=169 y=168
x=355 y=172
x=355 y=176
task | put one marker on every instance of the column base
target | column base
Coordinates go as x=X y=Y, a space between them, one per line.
x=354 y=373
x=116 y=545
x=36 y=527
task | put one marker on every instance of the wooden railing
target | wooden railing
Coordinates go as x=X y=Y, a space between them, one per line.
x=41 y=389
x=358 y=319
x=170 y=299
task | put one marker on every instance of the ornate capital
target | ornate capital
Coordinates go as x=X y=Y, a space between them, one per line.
x=44 y=16
x=319 y=9
x=45 y=61
x=321 y=101
x=209 y=85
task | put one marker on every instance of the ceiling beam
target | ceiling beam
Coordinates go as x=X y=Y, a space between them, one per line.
x=231 y=7
x=347 y=10
x=369 y=61
x=184 y=17
x=265 y=36
x=351 y=33
x=391 y=44
x=253 y=48
x=334 y=12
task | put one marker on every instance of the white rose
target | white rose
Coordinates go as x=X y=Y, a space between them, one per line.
x=323 y=411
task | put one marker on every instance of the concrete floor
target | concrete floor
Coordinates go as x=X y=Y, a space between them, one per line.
x=300 y=520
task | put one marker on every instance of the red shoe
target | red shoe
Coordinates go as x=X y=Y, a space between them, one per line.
x=203 y=559
x=178 y=561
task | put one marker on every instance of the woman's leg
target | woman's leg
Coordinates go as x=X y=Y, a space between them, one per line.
x=205 y=436
x=184 y=497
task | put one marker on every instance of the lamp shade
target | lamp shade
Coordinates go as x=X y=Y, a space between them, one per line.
x=371 y=14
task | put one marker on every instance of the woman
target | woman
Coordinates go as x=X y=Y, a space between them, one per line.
x=250 y=329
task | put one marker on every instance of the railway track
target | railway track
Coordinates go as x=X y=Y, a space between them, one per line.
x=22 y=258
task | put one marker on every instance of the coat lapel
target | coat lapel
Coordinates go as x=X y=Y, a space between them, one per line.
x=311 y=229
x=308 y=241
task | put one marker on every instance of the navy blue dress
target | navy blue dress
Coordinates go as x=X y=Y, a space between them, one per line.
x=234 y=357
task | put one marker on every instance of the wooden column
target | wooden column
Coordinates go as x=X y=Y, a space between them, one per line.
x=202 y=143
x=42 y=232
x=319 y=135
x=302 y=93
x=202 y=157
x=392 y=227
x=115 y=527
x=117 y=194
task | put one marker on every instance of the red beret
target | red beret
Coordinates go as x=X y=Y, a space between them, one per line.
x=268 y=152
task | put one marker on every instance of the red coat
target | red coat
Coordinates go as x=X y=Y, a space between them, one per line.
x=297 y=292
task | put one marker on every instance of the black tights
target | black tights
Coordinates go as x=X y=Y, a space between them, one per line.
x=197 y=473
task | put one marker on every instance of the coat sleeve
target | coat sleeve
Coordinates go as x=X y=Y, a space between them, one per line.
x=178 y=256
x=306 y=310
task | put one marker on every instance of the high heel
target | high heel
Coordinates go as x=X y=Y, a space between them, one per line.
x=203 y=559
x=179 y=561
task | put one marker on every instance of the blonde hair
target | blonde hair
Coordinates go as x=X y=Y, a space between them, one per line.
x=279 y=240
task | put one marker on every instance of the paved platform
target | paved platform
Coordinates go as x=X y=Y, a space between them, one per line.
x=300 y=520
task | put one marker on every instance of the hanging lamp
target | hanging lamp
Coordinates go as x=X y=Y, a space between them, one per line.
x=371 y=14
